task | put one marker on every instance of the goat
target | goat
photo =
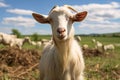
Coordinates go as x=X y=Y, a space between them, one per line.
x=98 y=44
x=93 y=40
x=20 y=42
x=85 y=46
x=6 y=39
x=11 y=40
x=39 y=43
x=108 y=47
x=62 y=59
x=78 y=38
x=33 y=43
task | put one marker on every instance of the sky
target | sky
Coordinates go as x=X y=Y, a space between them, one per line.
x=103 y=15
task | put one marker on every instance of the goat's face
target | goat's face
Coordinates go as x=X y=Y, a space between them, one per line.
x=61 y=23
x=61 y=20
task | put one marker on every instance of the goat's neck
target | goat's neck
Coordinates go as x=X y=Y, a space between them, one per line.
x=63 y=46
x=63 y=49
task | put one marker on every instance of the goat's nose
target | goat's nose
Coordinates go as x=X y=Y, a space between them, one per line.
x=61 y=30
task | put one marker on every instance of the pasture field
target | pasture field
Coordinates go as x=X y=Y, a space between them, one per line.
x=103 y=67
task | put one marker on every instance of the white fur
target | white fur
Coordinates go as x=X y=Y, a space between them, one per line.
x=78 y=38
x=108 y=47
x=33 y=43
x=85 y=46
x=93 y=40
x=99 y=45
x=7 y=39
x=11 y=40
x=19 y=42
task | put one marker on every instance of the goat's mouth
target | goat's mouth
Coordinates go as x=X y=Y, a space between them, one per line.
x=61 y=37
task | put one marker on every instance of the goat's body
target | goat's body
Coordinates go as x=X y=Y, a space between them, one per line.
x=19 y=43
x=108 y=47
x=7 y=39
x=62 y=61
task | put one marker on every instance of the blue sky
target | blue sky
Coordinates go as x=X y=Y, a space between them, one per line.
x=103 y=15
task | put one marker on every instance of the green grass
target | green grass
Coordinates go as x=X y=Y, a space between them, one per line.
x=102 y=68
x=105 y=67
x=103 y=40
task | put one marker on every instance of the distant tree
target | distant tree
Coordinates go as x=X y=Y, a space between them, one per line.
x=103 y=35
x=16 y=32
x=114 y=35
x=35 y=37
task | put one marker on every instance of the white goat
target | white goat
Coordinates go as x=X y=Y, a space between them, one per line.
x=39 y=43
x=78 y=38
x=33 y=43
x=62 y=60
x=11 y=40
x=108 y=47
x=85 y=46
x=93 y=40
x=99 y=45
x=20 y=42
x=6 y=39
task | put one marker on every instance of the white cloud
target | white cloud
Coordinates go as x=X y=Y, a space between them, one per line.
x=101 y=11
x=5 y=30
x=19 y=21
x=101 y=16
x=25 y=30
x=3 y=4
x=20 y=11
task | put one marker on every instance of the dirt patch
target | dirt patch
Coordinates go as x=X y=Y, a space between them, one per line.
x=17 y=64
x=92 y=52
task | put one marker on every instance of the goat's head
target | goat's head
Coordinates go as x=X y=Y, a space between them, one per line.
x=61 y=20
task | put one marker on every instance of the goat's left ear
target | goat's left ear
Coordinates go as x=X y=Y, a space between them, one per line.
x=40 y=18
x=80 y=16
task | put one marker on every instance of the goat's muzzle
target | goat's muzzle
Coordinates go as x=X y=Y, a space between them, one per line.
x=61 y=32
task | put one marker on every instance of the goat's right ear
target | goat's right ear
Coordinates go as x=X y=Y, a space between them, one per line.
x=40 y=18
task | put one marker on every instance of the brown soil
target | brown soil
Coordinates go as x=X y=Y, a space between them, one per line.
x=17 y=64
x=92 y=52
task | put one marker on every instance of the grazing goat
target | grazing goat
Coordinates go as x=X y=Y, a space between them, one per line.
x=11 y=40
x=108 y=47
x=6 y=39
x=20 y=42
x=62 y=59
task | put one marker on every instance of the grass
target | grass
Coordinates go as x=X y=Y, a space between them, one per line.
x=103 y=67
x=97 y=68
